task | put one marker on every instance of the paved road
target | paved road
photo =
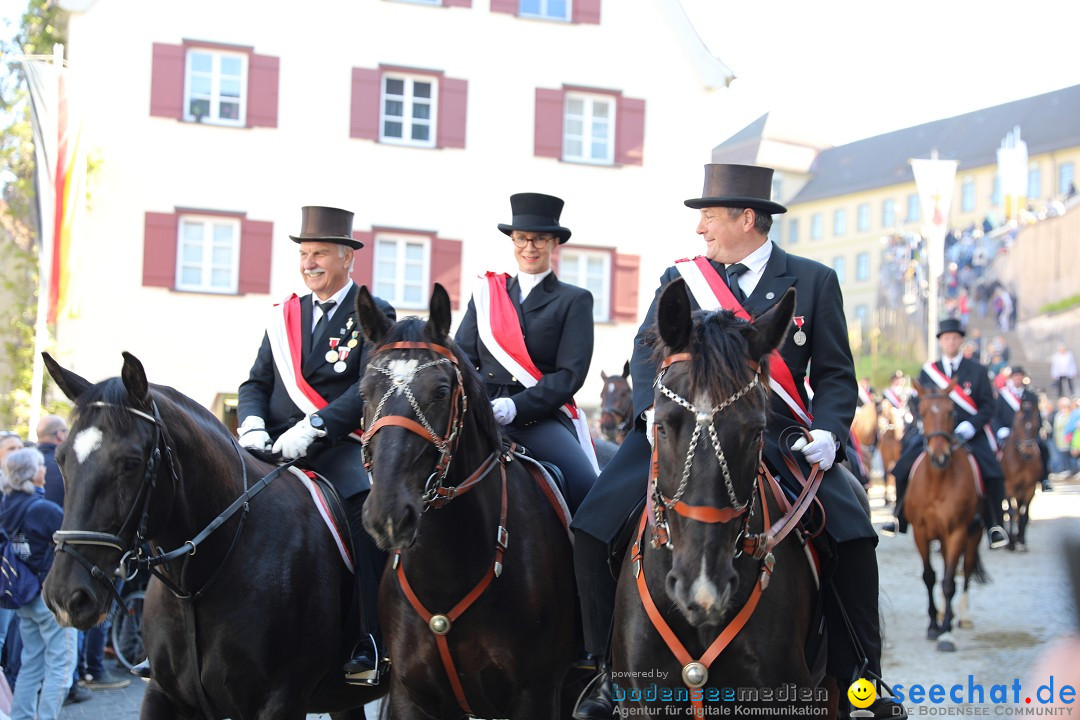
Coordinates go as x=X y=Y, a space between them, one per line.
x=1017 y=616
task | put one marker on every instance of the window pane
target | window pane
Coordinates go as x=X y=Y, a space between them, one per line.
x=599 y=130
x=392 y=129
x=394 y=108
x=190 y=276
x=230 y=88
x=385 y=269
x=421 y=111
x=557 y=8
x=574 y=126
x=192 y=231
x=384 y=290
x=414 y=251
x=229 y=111
x=191 y=254
x=599 y=150
x=223 y=233
x=573 y=147
x=220 y=278
x=575 y=106
x=231 y=65
x=200 y=84
x=421 y=132
x=395 y=86
x=412 y=294
x=422 y=89
x=600 y=110
x=222 y=256
x=201 y=62
x=530 y=7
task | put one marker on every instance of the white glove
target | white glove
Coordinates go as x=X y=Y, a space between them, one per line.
x=821 y=450
x=294 y=442
x=965 y=431
x=650 y=426
x=253 y=435
x=505 y=410
x=1003 y=433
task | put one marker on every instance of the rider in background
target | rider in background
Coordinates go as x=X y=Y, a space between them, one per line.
x=735 y=219
x=973 y=399
x=1009 y=401
x=530 y=336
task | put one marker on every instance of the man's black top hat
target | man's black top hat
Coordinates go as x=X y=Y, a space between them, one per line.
x=326 y=224
x=738 y=186
x=536 y=212
x=950 y=325
x=1018 y=370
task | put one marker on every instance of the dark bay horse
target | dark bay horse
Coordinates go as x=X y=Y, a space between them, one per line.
x=251 y=624
x=891 y=427
x=478 y=604
x=616 y=406
x=716 y=600
x=1022 y=463
x=940 y=505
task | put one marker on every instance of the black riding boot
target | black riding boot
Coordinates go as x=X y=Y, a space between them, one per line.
x=367 y=664
x=596 y=593
x=900 y=524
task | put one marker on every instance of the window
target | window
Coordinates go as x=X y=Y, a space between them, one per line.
x=1066 y=178
x=967 y=195
x=839 y=223
x=862 y=266
x=214 y=88
x=888 y=213
x=862 y=316
x=793 y=231
x=549 y=9
x=863 y=217
x=816 y=224
x=912 y=208
x=1034 y=189
x=995 y=193
x=408 y=110
x=838 y=264
x=208 y=250
x=401 y=270
x=592 y=271
x=216 y=85
x=589 y=129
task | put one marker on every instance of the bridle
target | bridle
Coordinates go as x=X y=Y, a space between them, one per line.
x=1026 y=446
x=949 y=436
x=625 y=414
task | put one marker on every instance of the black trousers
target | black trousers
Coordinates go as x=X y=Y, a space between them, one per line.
x=549 y=440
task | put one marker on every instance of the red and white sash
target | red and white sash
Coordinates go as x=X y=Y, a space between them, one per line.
x=1010 y=398
x=286 y=344
x=864 y=395
x=498 y=327
x=893 y=398
x=959 y=396
x=711 y=292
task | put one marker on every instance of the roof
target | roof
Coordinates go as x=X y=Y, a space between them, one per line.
x=1047 y=123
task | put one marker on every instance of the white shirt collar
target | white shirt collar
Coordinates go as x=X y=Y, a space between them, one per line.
x=755 y=264
x=527 y=281
x=338 y=298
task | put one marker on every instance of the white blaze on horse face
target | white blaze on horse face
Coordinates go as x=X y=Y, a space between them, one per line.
x=703 y=591
x=403 y=371
x=86 y=442
x=611 y=387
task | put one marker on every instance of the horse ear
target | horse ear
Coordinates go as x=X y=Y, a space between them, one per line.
x=438 y=324
x=373 y=323
x=767 y=332
x=134 y=378
x=626 y=369
x=70 y=384
x=603 y=376
x=673 y=316
x=918 y=388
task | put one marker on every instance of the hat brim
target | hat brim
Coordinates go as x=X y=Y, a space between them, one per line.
x=559 y=230
x=738 y=202
x=961 y=333
x=334 y=239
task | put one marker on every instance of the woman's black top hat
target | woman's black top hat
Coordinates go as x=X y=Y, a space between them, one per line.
x=950 y=325
x=738 y=186
x=326 y=224
x=536 y=212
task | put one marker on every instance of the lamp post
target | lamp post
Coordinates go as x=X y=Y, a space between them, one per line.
x=934 y=179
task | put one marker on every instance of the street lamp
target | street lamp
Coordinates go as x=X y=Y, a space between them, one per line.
x=934 y=180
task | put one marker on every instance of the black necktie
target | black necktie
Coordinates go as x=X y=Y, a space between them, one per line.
x=733 y=273
x=325 y=307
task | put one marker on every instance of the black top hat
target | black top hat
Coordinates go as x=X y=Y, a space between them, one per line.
x=950 y=325
x=326 y=224
x=536 y=212
x=1018 y=370
x=737 y=186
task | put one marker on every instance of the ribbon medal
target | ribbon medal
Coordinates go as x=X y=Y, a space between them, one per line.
x=343 y=355
x=799 y=337
x=332 y=353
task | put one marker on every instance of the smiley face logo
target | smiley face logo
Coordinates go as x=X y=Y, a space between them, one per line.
x=862 y=693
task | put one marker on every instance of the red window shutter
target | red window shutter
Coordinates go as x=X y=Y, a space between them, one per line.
x=453 y=102
x=446 y=267
x=167 y=81
x=630 y=131
x=364 y=112
x=548 y=133
x=586 y=11
x=159 y=249
x=255 y=243
x=624 y=287
x=363 y=268
x=262 y=104
x=505 y=6
x=457 y=3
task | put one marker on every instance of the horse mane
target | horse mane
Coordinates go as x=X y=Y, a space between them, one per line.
x=412 y=329
x=718 y=353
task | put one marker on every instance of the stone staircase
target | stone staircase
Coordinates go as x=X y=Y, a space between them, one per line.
x=1035 y=363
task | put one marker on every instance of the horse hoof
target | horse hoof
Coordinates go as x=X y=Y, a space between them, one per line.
x=1022 y=547
x=965 y=624
x=945 y=643
x=932 y=634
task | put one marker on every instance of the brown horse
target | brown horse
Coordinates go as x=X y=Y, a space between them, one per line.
x=1022 y=463
x=864 y=428
x=616 y=406
x=940 y=504
x=693 y=614
x=891 y=424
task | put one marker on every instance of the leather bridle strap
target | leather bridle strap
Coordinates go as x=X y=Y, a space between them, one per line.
x=440 y=625
x=445 y=352
x=444 y=495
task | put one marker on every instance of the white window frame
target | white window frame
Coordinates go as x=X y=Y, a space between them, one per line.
x=1034 y=182
x=206 y=264
x=545 y=15
x=862 y=221
x=590 y=100
x=839 y=266
x=862 y=267
x=839 y=222
x=888 y=213
x=914 y=209
x=215 y=87
x=817 y=226
x=568 y=273
x=408 y=100
x=967 y=195
x=1066 y=176
x=400 y=240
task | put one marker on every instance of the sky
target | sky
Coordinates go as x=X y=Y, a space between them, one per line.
x=843 y=70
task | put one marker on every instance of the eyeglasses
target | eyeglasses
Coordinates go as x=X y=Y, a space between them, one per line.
x=539 y=241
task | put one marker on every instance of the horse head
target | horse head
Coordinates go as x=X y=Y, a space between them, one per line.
x=616 y=405
x=421 y=398
x=113 y=458
x=1025 y=430
x=938 y=415
x=710 y=414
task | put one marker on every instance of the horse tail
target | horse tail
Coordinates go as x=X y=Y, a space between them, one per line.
x=979 y=573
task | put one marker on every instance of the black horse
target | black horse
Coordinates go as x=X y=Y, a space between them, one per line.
x=477 y=606
x=723 y=596
x=616 y=406
x=250 y=622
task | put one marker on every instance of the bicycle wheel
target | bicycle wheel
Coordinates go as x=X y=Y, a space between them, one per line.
x=127 y=631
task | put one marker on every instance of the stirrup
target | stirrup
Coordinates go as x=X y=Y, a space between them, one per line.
x=890 y=528
x=1003 y=538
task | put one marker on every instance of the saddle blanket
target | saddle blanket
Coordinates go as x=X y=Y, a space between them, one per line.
x=322 y=504
x=550 y=490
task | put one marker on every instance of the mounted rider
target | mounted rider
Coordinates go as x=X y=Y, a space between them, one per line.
x=1009 y=401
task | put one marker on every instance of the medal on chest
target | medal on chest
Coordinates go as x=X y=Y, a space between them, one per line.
x=332 y=353
x=799 y=337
